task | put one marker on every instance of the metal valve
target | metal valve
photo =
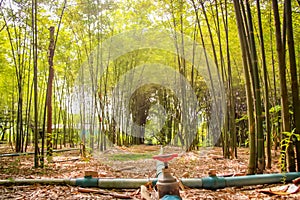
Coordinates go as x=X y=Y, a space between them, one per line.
x=166 y=184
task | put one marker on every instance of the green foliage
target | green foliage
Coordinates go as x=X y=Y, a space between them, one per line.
x=244 y=117
x=275 y=109
x=288 y=138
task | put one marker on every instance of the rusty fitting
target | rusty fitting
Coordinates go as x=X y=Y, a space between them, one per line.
x=167 y=184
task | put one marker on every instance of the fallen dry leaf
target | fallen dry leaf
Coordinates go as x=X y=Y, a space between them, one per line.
x=282 y=190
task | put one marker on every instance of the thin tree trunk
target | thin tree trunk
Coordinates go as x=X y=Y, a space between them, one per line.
x=266 y=88
x=251 y=122
x=230 y=117
x=293 y=72
x=49 y=93
x=257 y=96
x=275 y=127
x=284 y=96
x=35 y=80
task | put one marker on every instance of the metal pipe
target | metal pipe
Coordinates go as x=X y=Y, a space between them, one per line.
x=212 y=183
x=219 y=182
x=160 y=165
x=38 y=181
x=116 y=183
x=166 y=184
x=109 y=183
x=122 y=183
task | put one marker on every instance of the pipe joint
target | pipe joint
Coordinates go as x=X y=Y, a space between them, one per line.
x=87 y=181
x=213 y=182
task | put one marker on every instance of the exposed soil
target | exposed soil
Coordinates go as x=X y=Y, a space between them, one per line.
x=71 y=165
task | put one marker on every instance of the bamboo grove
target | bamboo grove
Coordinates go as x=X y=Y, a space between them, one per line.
x=49 y=48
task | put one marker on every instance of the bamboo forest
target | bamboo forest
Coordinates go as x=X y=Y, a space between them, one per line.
x=149 y=99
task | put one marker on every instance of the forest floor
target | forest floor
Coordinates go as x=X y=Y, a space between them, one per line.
x=130 y=162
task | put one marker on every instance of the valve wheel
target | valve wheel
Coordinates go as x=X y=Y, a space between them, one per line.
x=165 y=157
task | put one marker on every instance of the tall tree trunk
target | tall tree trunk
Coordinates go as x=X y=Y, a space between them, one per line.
x=49 y=93
x=35 y=80
x=230 y=118
x=266 y=88
x=251 y=122
x=293 y=72
x=256 y=91
x=275 y=126
x=286 y=127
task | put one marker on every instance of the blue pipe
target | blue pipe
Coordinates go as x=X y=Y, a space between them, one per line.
x=218 y=182
x=212 y=182
x=112 y=183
